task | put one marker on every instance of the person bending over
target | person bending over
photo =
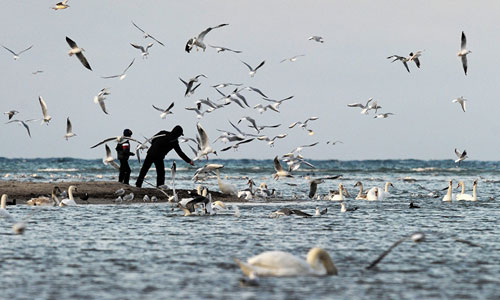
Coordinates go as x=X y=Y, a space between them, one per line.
x=160 y=146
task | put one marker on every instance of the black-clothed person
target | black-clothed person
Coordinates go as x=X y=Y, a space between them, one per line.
x=123 y=153
x=160 y=146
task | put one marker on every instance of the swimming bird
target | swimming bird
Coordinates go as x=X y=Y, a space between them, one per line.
x=101 y=96
x=146 y=198
x=460 y=100
x=364 y=108
x=383 y=116
x=226 y=188
x=154 y=199
x=147 y=35
x=463 y=52
x=190 y=88
x=467 y=197
x=222 y=49
x=293 y=58
x=449 y=196
x=283 y=264
x=11 y=113
x=280 y=172
x=188 y=205
x=165 y=112
x=413 y=205
x=316 y=39
x=23 y=123
x=285 y=211
x=372 y=194
x=417 y=237
x=320 y=213
x=78 y=52
x=414 y=57
x=402 y=59
x=253 y=70
x=461 y=156
x=69 y=130
x=340 y=195
x=17 y=226
x=144 y=51
x=46 y=201
x=61 y=5
x=70 y=201
x=16 y=55
x=344 y=209
x=198 y=40
x=247 y=193
x=109 y=160
x=313 y=184
x=46 y=118
x=384 y=193
x=118 y=200
x=204 y=143
x=361 y=195
x=123 y=74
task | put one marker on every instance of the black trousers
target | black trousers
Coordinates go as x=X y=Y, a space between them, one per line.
x=125 y=171
x=160 y=170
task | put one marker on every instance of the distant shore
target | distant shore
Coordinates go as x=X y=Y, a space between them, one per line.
x=100 y=192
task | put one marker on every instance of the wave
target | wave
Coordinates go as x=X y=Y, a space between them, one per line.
x=57 y=170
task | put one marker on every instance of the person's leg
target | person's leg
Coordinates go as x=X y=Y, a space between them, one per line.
x=160 y=172
x=127 y=171
x=121 y=176
x=144 y=170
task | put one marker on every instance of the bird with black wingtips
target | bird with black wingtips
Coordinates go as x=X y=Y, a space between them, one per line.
x=463 y=52
x=75 y=50
x=198 y=40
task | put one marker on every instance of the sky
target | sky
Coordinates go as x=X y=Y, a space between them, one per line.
x=351 y=66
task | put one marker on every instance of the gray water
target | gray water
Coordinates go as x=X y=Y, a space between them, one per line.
x=152 y=252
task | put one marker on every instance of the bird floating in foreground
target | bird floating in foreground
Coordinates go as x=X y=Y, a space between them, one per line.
x=463 y=52
x=16 y=55
x=78 y=52
x=460 y=100
x=198 y=40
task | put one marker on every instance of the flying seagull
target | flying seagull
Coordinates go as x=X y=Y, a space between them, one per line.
x=123 y=74
x=117 y=139
x=280 y=172
x=164 y=112
x=204 y=143
x=416 y=237
x=383 y=116
x=463 y=52
x=293 y=58
x=147 y=35
x=46 y=118
x=222 y=49
x=313 y=184
x=11 y=113
x=144 y=51
x=461 y=156
x=364 y=108
x=403 y=59
x=414 y=57
x=198 y=40
x=78 y=52
x=100 y=99
x=460 y=100
x=316 y=39
x=16 y=55
x=23 y=123
x=189 y=84
x=61 y=5
x=109 y=160
x=69 y=130
x=252 y=70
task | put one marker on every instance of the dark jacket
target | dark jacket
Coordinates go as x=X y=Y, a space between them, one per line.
x=160 y=146
x=123 y=150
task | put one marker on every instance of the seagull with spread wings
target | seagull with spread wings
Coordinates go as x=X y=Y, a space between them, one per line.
x=198 y=40
x=222 y=49
x=147 y=35
x=461 y=156
x=22 y=123
x=165 y=112
x=144 y=51
x=253 y=70
x=16 y=55
x=123 y=74
x=463 y=52
x=99 y=99
x=204 y=147
x=461 y=100
x=69 y=130
x=190 y=87
x=75 y=50
x=46 y=118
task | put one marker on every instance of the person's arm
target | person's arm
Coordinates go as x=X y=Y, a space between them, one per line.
x=181 y=154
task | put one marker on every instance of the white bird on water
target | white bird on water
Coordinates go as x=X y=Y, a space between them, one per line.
x=69 y=130
x=70 y=201
x=16 y=55
x=461 y=100
x=283 y=264
x=46 y=118
x=75 y=50
x=463 y=52
x=123 y=74
x=17 y=226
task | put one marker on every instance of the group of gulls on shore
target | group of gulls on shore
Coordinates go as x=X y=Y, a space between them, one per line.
x=271 y=263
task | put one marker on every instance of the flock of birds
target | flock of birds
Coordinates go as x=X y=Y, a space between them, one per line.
x=274 y=263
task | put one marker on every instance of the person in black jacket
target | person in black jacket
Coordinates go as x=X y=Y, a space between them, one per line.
x=160 y=146
x=123 y=153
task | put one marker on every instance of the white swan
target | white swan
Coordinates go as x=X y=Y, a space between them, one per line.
x=385 y=192
x=467 y=197
x=282 y=264
x=372 y=194
x=69 y=201
x=17 y=227
x=46 y=201
x=340 y=195
x=449 y=196
x=226 y=188
x=361 y=195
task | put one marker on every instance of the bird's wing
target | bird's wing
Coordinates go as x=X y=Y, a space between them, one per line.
x=108 y=151
x=464 y=63
x=406 y=65
x=277 y=165
x=13 y=53
x=158 y=109
x=83 y=60
x=104 y=141
x=310 y=145
x=313 y=186
x=203 y=135
x=462 y=103
x=138 y=27
x=137 y=47
x=249 y=67
x=185 y=83
x=131 y=63
x=69 y=128
x=44 y=106
x=300 y=213
x=227 y=148
x=417 y=62
x=108 y=77
x=258 y=91
x=71 y=43
x=20 y=52
x=260 y=65
x=156 y=40
x=355 y=105
x=102 y=105
x=202 y=34
x=463 y=43
x=27 y=128
x=457 y=153
x=293 y=124
x=170 y=106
